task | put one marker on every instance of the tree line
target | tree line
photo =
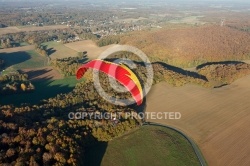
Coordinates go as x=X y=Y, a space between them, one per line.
x=15 y=82
x=68 y=66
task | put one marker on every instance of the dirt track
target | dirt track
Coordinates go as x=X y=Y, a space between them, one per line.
x=217 y=119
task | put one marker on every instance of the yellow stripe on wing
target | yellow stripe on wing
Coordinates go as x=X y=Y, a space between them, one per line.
x=134 y=78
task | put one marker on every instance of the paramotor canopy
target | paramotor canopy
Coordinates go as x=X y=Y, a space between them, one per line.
x=120 y=72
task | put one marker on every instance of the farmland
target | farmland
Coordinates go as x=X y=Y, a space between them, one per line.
x=17 y=49
x=188 y=20
x=44 y=73
x=93 y=51
x=206 y=121
x=147 y=146
x=23 y=59
x=217 y=119
x=58 y=50
x=128 y=20
x=48 y=82
x=30 y=28
x=196 y=50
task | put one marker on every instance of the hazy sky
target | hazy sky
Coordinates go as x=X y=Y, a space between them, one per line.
x=131 y=0
x=136 y=1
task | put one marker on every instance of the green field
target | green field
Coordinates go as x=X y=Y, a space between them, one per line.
x=43 y=89
x=58 y=50
x=23 y=60
x=148 y=145
x=23 y=44
x=188 y=20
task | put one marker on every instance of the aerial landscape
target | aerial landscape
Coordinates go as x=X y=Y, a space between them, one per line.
x=124 y=82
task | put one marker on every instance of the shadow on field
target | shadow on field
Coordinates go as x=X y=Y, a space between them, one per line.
x=14 y=58
x=219 y=63
x=84 y=59
x=44 y=89
x=167 y=67
x=38 y=74
x=94 y=154
x=50 y=51
x=181 y=71
x=16 y=44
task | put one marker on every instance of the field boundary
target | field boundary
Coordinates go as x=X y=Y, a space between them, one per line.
x=193 y=144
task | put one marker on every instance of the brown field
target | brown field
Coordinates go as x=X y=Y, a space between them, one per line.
x=29 y=28
x=45 y=73
x=217 y=119
x=88 y=45
x=9 y=30
x=17 y=49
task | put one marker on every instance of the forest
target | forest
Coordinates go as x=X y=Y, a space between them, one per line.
x=224 y=72
x=192 y=46
x=68 y=66
x=43 y=134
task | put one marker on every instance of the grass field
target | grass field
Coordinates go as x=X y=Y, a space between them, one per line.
x=93 y=51
x=23 y=44
x=149 y=145
x=58 y=50
x=43 y=89
x=129 y=20
x=217 y=119
x=188 y=20
x=23 y=59
x=46 y=80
